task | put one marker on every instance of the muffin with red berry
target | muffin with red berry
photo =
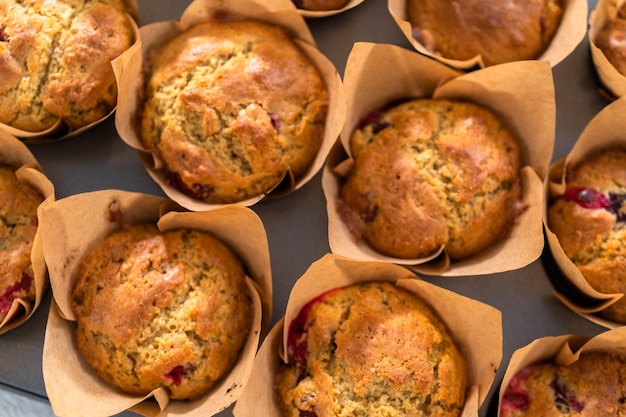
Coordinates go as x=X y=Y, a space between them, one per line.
x=18 y=225
x=591 y=386
x=233 y=108
x=371 y=348
x=161 y=309
x=589 y=220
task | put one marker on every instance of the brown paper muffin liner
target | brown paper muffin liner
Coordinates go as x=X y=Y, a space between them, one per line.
x=611 y=80
x=14 y=153
x=130 y=78
x=562 y=350
x=476 y=327
x=60 y=130
x=71 y=227
x=570 y=33
x=520 y=93
x=606 y=129
x=311 y=14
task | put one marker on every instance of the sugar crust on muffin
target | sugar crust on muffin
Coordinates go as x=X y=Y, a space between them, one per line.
x=503 y=31
x=429 y=173
x=231 y=108
x=370 y=349
x=55 y=61
x=161 y=309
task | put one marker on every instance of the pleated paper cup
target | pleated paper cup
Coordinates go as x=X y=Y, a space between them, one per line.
x=14 y=153
x=71 y=227
x=475 y=327
x=130 y=75
x=570 y=33
x=61 y=130
x=611 y=80
x=520 y=94
x=606 y=130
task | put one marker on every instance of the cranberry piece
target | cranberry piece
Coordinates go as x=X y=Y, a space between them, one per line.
x=307 y=414
x=296 y=341
x=3 y=34
x=565 y=401
x=197 y=191
x=275 y=121
x=6 y=300
x=515 y=396
x=373 y=119
x=179 y=373
x=586 y=197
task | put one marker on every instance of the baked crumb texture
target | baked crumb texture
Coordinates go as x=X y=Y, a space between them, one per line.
x=231 y=108
x=55 y=61
x=592 y=386
x=506 y=31
x=164 y=309
x=370 y=350
x=589 y=220
x=429 y=173
x=18 y=225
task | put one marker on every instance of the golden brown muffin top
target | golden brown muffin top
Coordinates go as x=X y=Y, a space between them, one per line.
x=592 y=386
x=503 y=31
x=429 y=173
x=175 y=302
x=592 y=212
x=371 y=349
x=55 y=61
x=231 y=108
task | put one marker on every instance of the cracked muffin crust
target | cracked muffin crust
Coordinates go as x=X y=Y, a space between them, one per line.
x=505 y=31
x=370 y=349
x=18 y=225
x=231 y=108
x=55 y=61
x=161 y=309
x=589 y=220
x=592 y=386
x=432 y=172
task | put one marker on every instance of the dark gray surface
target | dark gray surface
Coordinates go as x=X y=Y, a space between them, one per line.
x=297 y=224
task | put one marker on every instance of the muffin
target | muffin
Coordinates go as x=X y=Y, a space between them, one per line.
x=231 y=109
x=370 y=349
x=589 y=220
x=514 y=31
x=55 y=61
x=611 y=39
x=431 y=173
x=161 y=309
x=18 y=225
x=320 y=5
x=592 y=386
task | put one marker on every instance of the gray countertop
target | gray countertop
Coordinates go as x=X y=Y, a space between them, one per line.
x=99 y=159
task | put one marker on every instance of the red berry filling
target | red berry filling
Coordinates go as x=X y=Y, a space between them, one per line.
x=179 y=373
x=515 y=397
x=3 y=34
x=373 y=119
x=591 y=198
x=586 y=197
x=6 y=300
x=197 y=191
